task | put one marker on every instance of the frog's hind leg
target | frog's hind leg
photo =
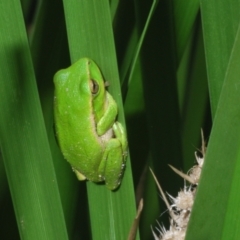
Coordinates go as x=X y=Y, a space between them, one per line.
x=112 y=164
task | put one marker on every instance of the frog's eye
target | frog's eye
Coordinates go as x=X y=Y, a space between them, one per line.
x=94 y=87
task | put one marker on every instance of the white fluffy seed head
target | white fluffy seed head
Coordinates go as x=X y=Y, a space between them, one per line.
x=181 y=206
x=184 y=200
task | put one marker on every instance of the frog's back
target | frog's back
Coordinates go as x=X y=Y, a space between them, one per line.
x=74 y=121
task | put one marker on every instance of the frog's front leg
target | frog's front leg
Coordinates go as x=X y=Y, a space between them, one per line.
x=107 y=120
x=114 y=158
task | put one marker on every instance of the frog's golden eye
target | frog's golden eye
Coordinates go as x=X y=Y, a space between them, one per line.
x=94 y=87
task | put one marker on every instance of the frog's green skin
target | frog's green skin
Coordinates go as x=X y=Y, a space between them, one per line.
x=89 y=137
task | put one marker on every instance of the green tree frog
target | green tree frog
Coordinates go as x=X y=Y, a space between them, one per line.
x=90 y=138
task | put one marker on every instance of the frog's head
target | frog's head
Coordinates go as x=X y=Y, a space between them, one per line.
x=82 y=83
x=97 y=89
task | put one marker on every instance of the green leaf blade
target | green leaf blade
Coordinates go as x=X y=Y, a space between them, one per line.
x=111 y=212
x=24 y=144
x=217 y=193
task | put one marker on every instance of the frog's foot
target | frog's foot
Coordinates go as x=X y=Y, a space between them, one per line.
x=79 y=175
x=120 y=134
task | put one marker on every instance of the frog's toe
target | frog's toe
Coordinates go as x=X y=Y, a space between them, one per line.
x=79 y=175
